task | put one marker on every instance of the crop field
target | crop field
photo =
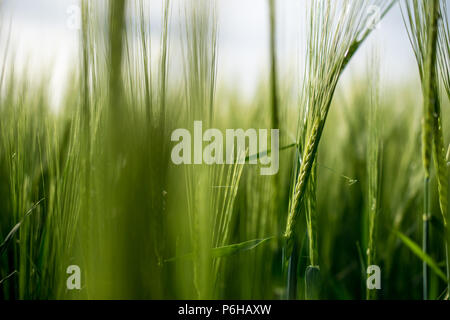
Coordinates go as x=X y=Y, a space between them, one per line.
x=151 y=175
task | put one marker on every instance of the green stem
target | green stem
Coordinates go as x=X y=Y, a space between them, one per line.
x=447 y=255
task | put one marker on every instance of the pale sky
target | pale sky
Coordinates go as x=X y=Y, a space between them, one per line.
x=40 y=35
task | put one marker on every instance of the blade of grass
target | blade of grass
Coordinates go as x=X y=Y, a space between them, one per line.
x=14 y=230
x=421 y=254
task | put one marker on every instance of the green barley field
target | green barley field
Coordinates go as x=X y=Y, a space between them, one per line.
x=93 y=205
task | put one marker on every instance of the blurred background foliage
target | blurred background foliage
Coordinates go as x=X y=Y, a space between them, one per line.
x=93 y=184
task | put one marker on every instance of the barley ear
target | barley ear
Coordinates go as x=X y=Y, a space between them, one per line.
x=300 y=187
x=441 y=165
x=311 y=216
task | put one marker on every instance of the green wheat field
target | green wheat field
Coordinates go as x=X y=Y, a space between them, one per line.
x=362 y=186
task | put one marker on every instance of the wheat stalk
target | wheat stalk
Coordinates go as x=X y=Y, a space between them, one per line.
x=444 y=47
x=374 y=167
x=336 y=31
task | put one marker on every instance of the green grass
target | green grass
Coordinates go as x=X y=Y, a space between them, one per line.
x=423 y=28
